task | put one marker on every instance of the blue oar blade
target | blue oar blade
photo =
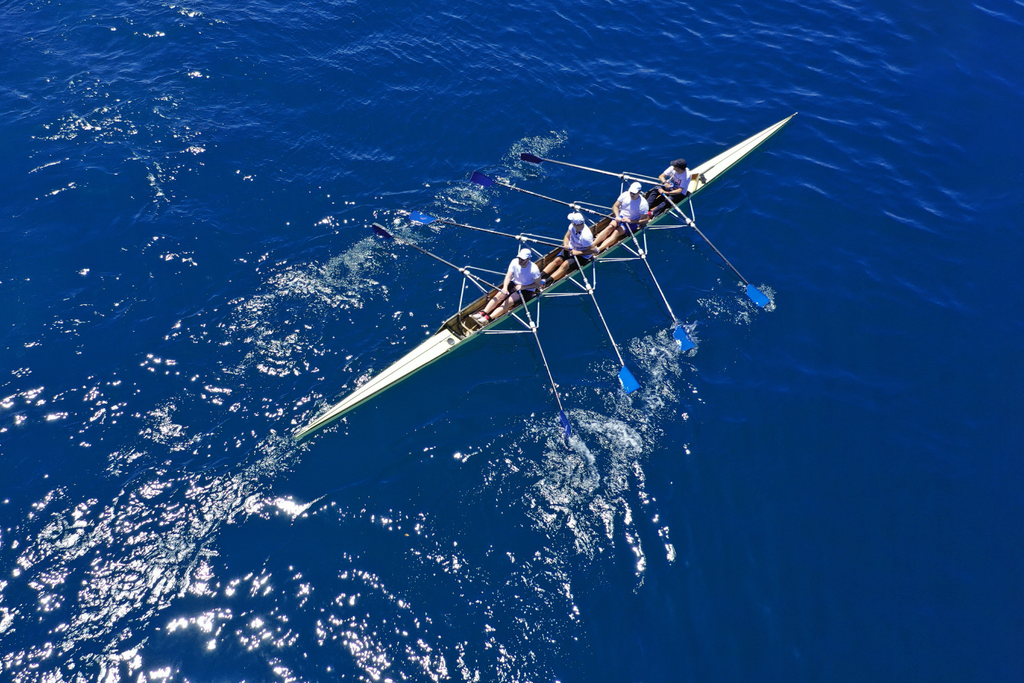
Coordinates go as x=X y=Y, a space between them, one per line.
x=683 y=337
x=379 y=229
x=566 y=429
x=757 y=296
x=628 y=381
x=480 y=179
x=526 y=156
x=423 y=218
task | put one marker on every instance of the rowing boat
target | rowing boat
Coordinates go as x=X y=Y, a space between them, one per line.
x=462 y=328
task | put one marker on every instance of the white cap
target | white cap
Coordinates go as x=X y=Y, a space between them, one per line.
x=525 y=253
x=635 y=188
x=575 y=217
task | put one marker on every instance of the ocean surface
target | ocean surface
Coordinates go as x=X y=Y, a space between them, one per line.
x=826 y=490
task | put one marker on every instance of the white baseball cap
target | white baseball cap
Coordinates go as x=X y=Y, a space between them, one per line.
x=525 y=253
x=575 y=217
x=635 y=188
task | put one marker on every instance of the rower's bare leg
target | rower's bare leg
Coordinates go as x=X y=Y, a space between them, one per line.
x=493 y=302
x=608 y=230
x=601 y=237
x=609 y=236
x=506 y=304
x=567 y=267
x=552 y=267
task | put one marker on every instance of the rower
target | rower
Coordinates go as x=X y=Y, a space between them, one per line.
x=578 y=244
x=522 y=280
x=675 y=184
x=631 y=212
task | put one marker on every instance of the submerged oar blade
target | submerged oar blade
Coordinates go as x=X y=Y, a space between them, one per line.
x=566 y=429
x=628 y=381
x=379 y=229
x=757 y=296
x=480 y=179
x=526 y=156
x=683 y=338
x=417 y=217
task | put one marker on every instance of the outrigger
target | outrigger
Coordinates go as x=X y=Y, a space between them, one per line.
x=463 y=327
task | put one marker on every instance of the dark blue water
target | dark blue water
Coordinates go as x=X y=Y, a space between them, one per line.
x=826 y=490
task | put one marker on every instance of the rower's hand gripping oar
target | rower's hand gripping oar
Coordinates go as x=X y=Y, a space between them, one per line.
x=566 y=429
x=755 y=295
x=533 y=159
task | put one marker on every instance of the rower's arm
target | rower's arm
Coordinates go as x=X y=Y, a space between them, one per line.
x=536 y=275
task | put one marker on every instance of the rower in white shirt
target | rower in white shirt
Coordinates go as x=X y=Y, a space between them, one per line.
x=578 y=243
x=675 y=183
x=522 y=280
x=630 y=212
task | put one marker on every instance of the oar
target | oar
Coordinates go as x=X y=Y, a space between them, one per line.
x=484 y=181
x=755 y=295
x=566 y=429
x=679 y=332
x=626 y=377
x=423 y=218
x=525 y=156
x=480 y=282
x=533 y=159
x=382 y=231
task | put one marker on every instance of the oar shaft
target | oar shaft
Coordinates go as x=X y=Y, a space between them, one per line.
x=693 y=225
x=543 y=358
x=554 y=389
x=625 y=177
x=418 y=217
x=593 y=298
x=382 y=231
x=679 y=334
x=520 y=238
x=656 y=284
x=571 y=205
